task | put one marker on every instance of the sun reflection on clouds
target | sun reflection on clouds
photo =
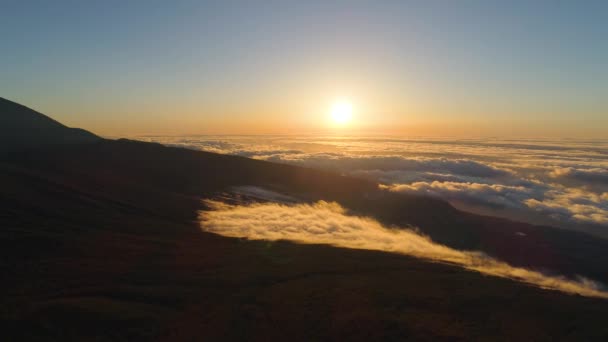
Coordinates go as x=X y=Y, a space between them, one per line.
x=329 y=223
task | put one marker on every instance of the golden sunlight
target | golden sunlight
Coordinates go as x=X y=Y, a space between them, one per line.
x=341 y=112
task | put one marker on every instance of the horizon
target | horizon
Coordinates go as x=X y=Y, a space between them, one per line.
x=470 y=68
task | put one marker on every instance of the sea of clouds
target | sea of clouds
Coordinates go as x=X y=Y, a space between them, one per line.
x=558 y=182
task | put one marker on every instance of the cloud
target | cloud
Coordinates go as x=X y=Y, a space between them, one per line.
x=490 y=194
x=404 y=176
x=329 y=223
x=545 y=180
x=573 y=204
x=590 y=176
x=558 y=203
x=341 y=162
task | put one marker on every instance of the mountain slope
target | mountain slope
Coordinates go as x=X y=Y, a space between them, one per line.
x=101 y=242
x=104 y=254
x=23 y=128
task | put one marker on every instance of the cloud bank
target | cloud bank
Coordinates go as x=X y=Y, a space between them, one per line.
x=558 y=182
x=489 y=194
x=329 y=223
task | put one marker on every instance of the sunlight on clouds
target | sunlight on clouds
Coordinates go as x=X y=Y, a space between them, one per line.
x=562 y=183
x=329 y=223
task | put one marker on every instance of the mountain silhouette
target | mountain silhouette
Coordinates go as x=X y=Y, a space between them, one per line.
x=101 y=241
x=23 y=128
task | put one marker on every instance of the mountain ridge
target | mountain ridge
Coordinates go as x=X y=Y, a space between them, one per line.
x=24 y=128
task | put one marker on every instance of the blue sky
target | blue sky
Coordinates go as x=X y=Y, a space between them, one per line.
x=122 y=67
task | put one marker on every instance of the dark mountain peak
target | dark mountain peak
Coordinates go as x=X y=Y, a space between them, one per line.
x=23 y=128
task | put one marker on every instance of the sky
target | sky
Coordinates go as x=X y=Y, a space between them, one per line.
x=410 y=68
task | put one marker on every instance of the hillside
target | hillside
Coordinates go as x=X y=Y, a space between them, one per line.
x=101 y=241
x=22 y=128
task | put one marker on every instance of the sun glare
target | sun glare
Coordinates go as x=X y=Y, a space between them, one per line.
x=341 y=112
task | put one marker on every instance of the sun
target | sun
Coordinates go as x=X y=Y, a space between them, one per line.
x=341 y=112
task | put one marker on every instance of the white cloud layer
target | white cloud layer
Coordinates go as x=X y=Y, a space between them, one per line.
x=490 y=194
x=329 y=223
x=565 y=182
